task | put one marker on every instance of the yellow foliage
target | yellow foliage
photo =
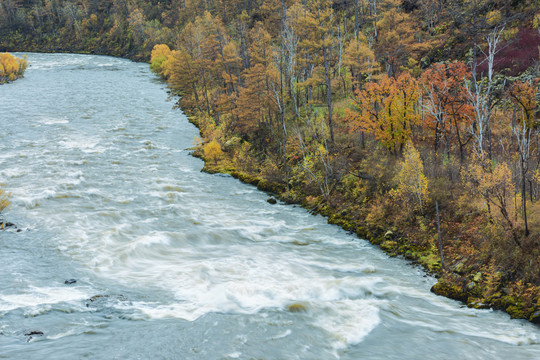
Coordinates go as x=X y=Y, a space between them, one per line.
x=159 y=57
x=510 y=33
x=212 y=151
x=412 y=183
x=493 y=182
x=490 y=180
x=536 y=22
x=523 y=95
x=493 y=17
x=160 y=50
x=93 y=20
x=11 y=67
x=360 y=59
x=4 y=200
x=243 y=159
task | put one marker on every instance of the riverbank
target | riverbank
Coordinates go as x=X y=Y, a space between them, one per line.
x=68 y=41
x=471 y=279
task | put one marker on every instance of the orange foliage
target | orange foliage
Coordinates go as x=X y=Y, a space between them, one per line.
x=523 y=95
x=387 y=110
x=254 y=98
x=447 y=111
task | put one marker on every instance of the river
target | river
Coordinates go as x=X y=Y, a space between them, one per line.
x=172 y=263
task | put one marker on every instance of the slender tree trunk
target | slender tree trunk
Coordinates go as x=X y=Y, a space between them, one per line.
x=439 y=233
x=328 y=90
x=281 y=108
x=512 y=228
x=524 y=195
x=356 y=19
x=206 y=94
x=531 y=190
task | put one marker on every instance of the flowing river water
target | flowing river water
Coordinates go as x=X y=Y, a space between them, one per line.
x=172 y=263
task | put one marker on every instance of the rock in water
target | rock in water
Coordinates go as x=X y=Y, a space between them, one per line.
x=33 y=332
x=296 y=307
x=70 y=281
x=271 y=201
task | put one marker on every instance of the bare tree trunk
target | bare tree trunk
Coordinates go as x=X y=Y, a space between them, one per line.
x=328 y=90
x=356 y=19
x=524 y=196
x=439 y=233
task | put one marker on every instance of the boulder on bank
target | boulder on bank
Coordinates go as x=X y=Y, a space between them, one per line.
x=535 y=318
x=452 y=287
x=4 y=225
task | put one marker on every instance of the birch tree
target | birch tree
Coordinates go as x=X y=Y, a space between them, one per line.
x=480 y=95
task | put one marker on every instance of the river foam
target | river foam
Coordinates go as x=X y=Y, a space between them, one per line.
x=35 y=298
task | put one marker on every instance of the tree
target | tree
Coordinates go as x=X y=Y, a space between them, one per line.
x=294 y=36
x=184 y=75
x=232 y=64
x=260 y=49
x=315 y=162
x=494 y=183
x=136 y=22
x=431 y=10
x=158 y=58
x=446 y=106
x=387 y=110
x=361 y=60
x=8 y=9
x=254 y=100
x=200 y=61
x=243 y=27
x=212 y=151
x=523 y=97
x=323 y=13
x=412 y=183
x=397 y=40
x=11 y=67
x=480 y=95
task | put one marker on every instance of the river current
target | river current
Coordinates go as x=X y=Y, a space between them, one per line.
x=172 y=263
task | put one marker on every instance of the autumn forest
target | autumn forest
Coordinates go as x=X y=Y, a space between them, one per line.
x=413 y=123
